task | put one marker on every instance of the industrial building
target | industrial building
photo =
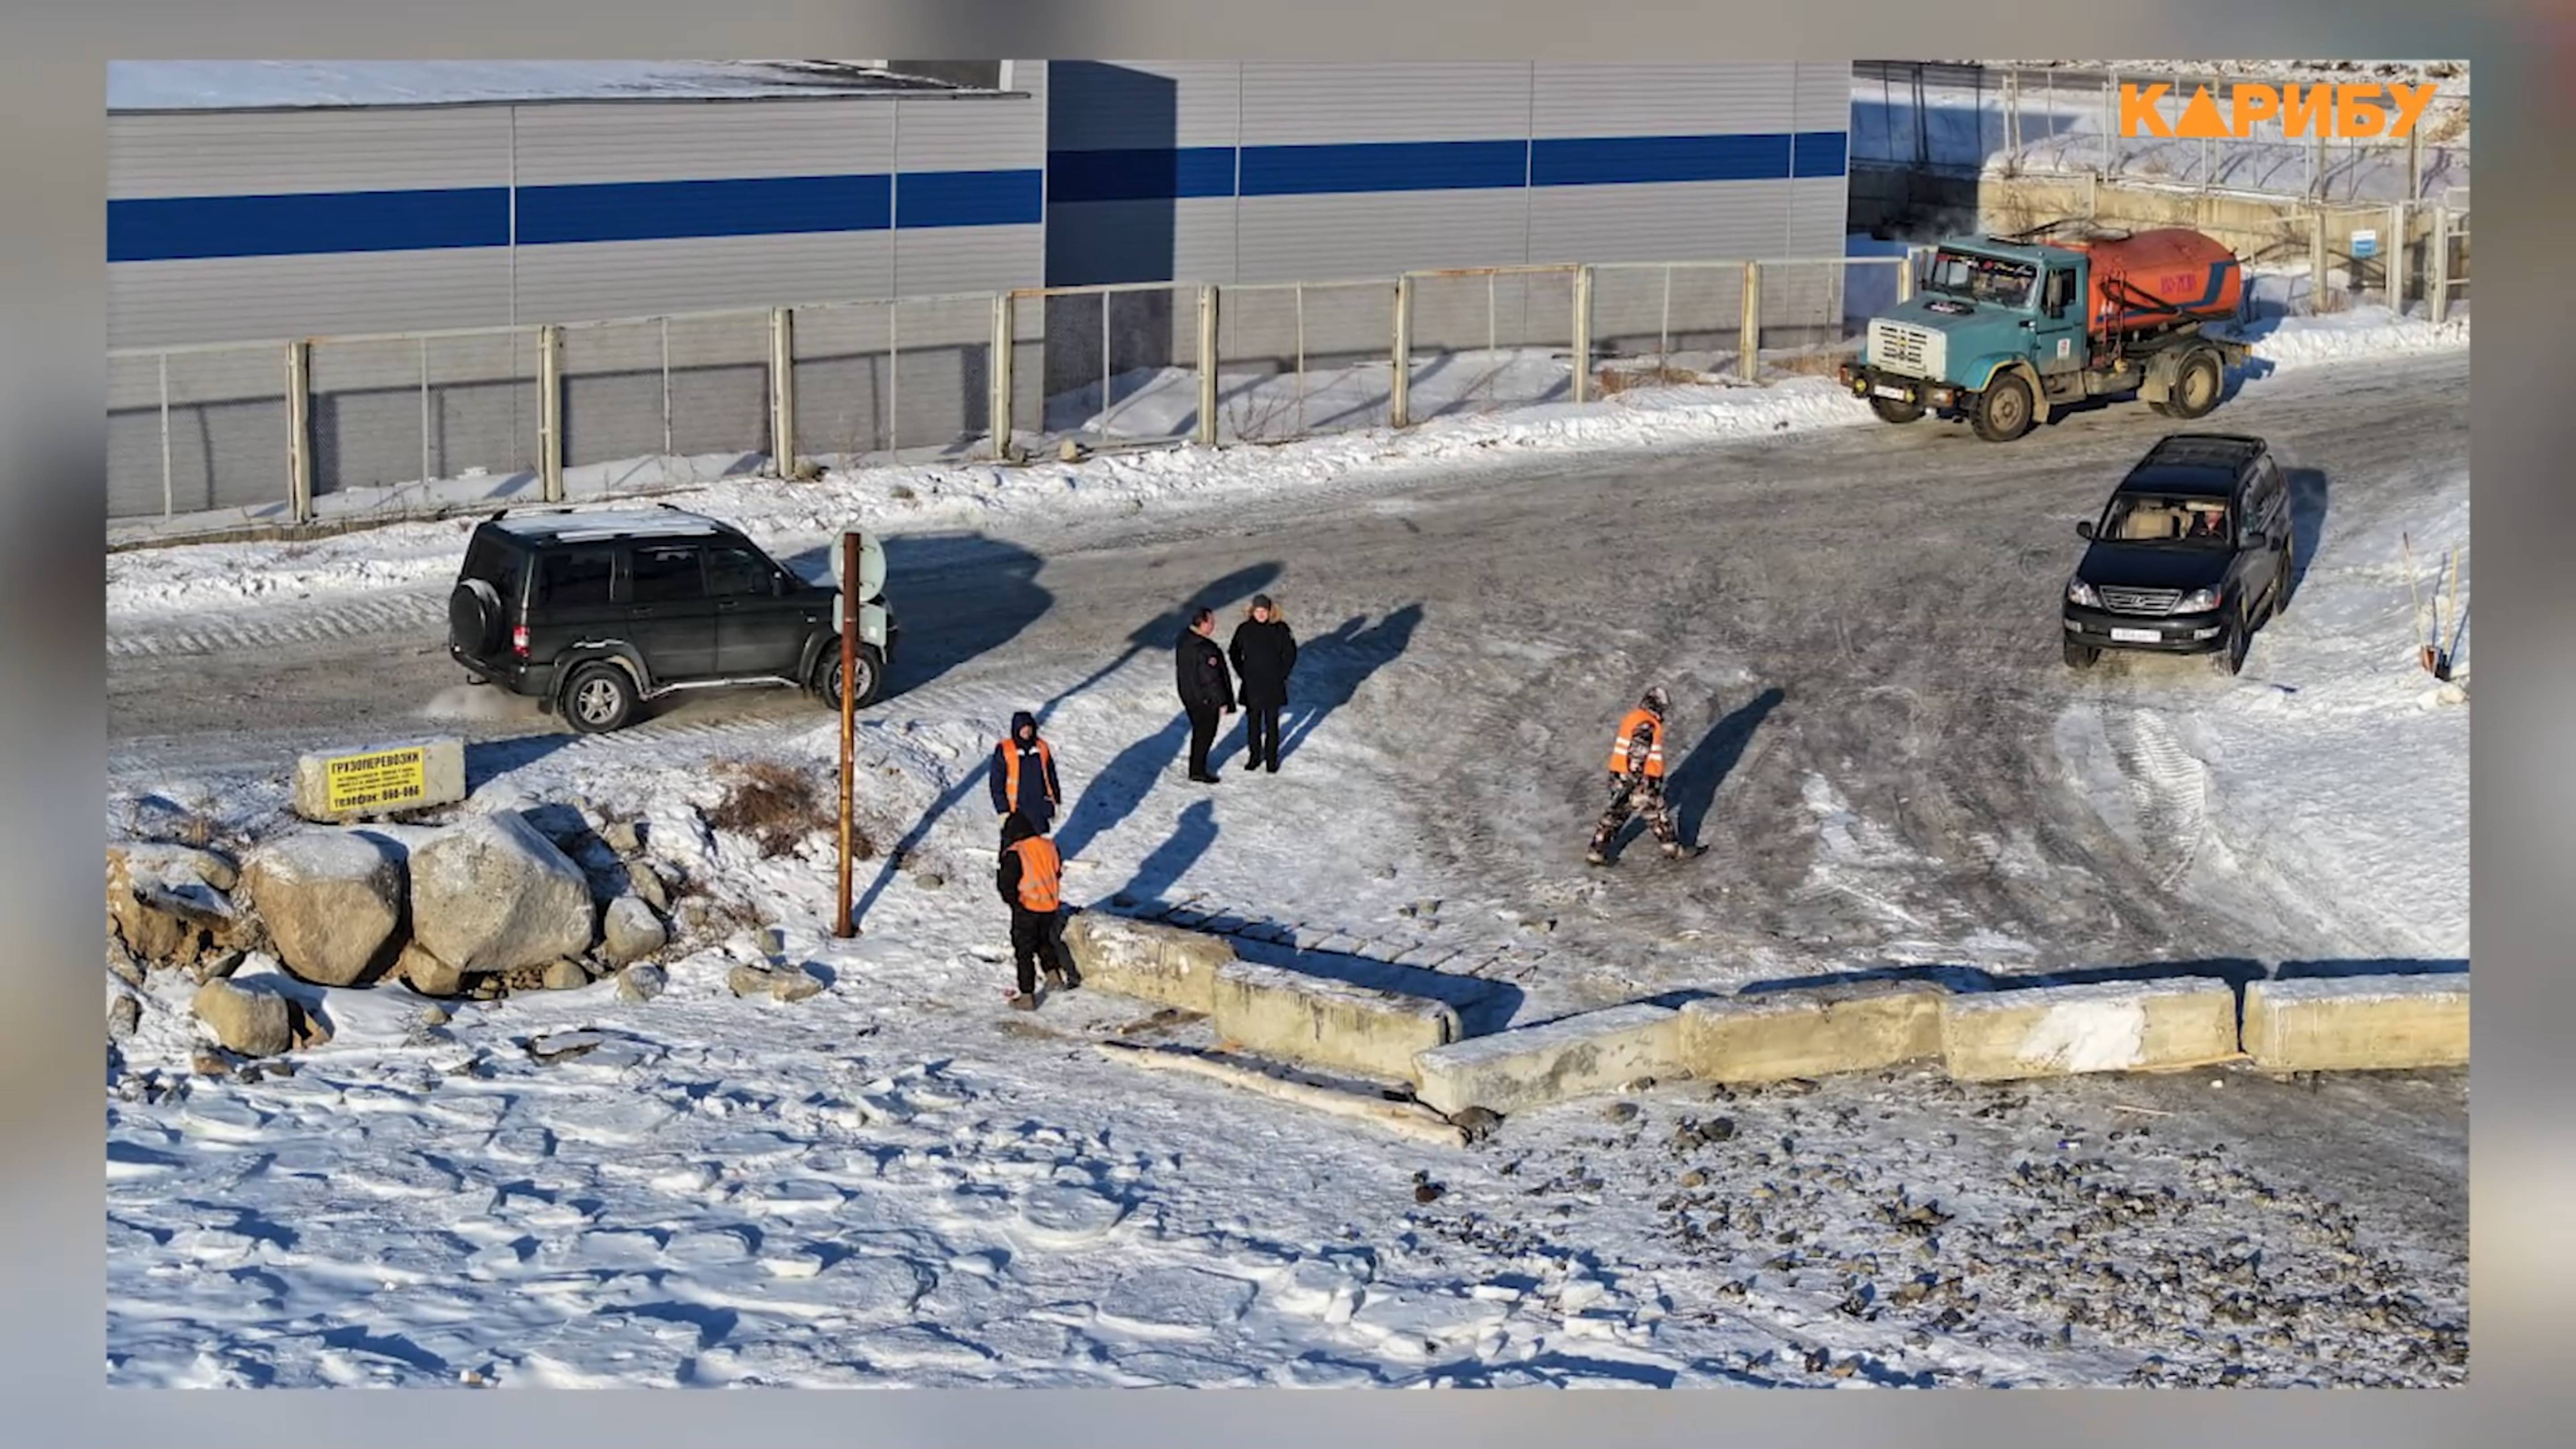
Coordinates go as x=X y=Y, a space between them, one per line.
x=251 y=201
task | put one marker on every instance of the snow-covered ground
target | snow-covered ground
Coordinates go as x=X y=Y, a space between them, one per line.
x=2063 y=130
x=193 y=578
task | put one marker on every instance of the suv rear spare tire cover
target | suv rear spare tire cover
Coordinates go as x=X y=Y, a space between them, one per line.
x=474 y=618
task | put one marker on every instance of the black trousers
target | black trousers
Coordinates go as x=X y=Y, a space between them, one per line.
x=1261 y=733
x=1203 y=726
x=1032 y=945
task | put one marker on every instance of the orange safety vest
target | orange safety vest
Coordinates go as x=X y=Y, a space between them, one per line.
x=1041 y=873
x=1654 y=748
x=1011 y=771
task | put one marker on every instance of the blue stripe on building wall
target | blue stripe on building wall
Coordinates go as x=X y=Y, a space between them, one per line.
x=970 y=198
x=1151 y=174
x=1384 y=166
x=1820 y=153
x=663 y=210
x=178 y=228
x=1647 y=160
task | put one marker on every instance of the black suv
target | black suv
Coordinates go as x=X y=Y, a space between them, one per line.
x=2191 y=555
x=594 y=612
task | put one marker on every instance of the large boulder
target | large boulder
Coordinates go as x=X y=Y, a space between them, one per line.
x=332 y=901
x=170 y=903
x=427 y=974
x=631 y=931
x=495 y=895
x=253 y=1023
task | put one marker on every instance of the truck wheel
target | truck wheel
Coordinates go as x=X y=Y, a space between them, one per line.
x=827 y=677
x=1889 y=410
x=2080 y=656
x=2003 y=411
x=2196 y=385
x=599 y=698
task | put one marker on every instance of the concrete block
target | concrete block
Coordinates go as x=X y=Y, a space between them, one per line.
x=2358 y=1023
x=380 y=780
x=2114 y=1026
x=1771 y=1036
x=1148 y=961
x=1532 y=1066
x=1310 y=1019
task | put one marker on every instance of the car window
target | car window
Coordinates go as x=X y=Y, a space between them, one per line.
x=574 y=577
x=491 y=558
x=666 y=573
x=734 y=571
x=2151 y=518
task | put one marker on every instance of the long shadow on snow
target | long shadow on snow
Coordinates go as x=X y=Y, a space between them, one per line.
x=1331 y=667
x=2236 y=971
x=1692 y=788
x=1131 y=775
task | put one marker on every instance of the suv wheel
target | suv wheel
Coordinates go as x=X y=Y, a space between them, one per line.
x=599 y=698
x=2081 y=656
x=827 y=677
x=2196 y=385
x=2004 y=410
x=2232 y=645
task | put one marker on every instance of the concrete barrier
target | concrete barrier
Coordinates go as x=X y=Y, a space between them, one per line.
x=380 y=780
x=2114 y=1026
x=1150 y=962
x=1811 y=1031
x=1534 y=1065
x=1310 y=1019
x=2346 y=1023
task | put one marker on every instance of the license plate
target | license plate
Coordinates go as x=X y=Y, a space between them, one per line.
x=1883 y=390
x=2136 y=636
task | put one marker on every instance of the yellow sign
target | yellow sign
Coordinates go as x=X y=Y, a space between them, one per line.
x=376 y=781
x=2343 y=112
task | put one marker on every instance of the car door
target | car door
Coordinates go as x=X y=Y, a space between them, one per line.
x=2057 y=329
x=760 y=621
x=2253 y=567
x=572 y=601
x=668 y=614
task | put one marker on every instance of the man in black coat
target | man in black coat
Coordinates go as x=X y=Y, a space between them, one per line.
x=1263 y=651
x=1206 y=690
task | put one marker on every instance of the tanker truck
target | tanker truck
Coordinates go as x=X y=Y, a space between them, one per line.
x=2001 y=329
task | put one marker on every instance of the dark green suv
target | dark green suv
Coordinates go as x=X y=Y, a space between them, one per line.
x=593 y=612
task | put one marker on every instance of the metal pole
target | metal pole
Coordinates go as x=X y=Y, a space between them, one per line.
x=842 y=926
x=1583 y=334
x=1301 y=359
x=299 y=430
x=1400 y=400
x=666 y=387
x=550 y=449
x=167 y=502
x=2395 y=266
x=424 y=410
x=894 y=380
x=1207 y=363
x=1104 y=365
x=2110 y=117
x=782 y=391
x=1748 y=337
x=1000 y=402
x=2317 y=260
x=1664 y=327
x=1491 y=342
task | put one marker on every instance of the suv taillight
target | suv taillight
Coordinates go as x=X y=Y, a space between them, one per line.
x=519 y=640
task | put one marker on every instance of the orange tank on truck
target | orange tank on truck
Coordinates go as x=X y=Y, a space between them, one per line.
x=2147 y=279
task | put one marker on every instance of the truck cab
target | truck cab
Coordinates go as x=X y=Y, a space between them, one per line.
x=1996 y=331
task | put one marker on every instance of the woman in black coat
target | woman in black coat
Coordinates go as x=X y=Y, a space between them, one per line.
x=1263 y=652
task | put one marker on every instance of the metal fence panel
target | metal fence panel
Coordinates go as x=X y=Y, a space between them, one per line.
x=1673 y=322
x=617 y=392
x=224 y=445
x=484 y=406
x=1485 y=339
x=720 y=389
x=940 y=388
x=1117 y=364
x=844 y=370
x=1299 y=359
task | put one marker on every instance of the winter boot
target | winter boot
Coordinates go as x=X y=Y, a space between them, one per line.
x=1594 y=857
x=1060 y=978
x=1678 y=851
x=1023 y=1001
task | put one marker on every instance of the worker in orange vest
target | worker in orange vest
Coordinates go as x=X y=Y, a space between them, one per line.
x=1637 y=781
x=1031 y=880
x=1024 y=775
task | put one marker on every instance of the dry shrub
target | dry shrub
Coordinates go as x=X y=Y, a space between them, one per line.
x=1613 y=381
x=777 y=805
x=1808 y=364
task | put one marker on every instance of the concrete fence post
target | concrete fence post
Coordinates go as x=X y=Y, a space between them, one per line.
x=550 y=442
x=1207 y=363
x=299 y=430
x=1905 y=277
x=998 y=399
x=2398 y=222
x=2437 y=269
x=1748 y=338
x=2317 y=279
x=1398 y=412
x=1583 y=334
x=782 y=392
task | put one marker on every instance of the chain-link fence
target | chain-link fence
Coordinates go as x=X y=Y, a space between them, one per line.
x=1483 y=339
x=1966 y=119
x=392 y=416
x=1115 y=365
x=1298 y=359
x=196 y=430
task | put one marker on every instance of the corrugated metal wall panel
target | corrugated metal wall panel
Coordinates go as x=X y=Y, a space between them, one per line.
x=1679 y=98
x=1143 y=104
x=641 y=278
x=1824 y=95
x=1708 y=220
x=965 y=259
x=174 y=304
x=1819 y=217
x=969 y=135
x=561 y=145
x=1327 y=238
x=1104 y=241
x=1339 y=102
x=269 y=153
